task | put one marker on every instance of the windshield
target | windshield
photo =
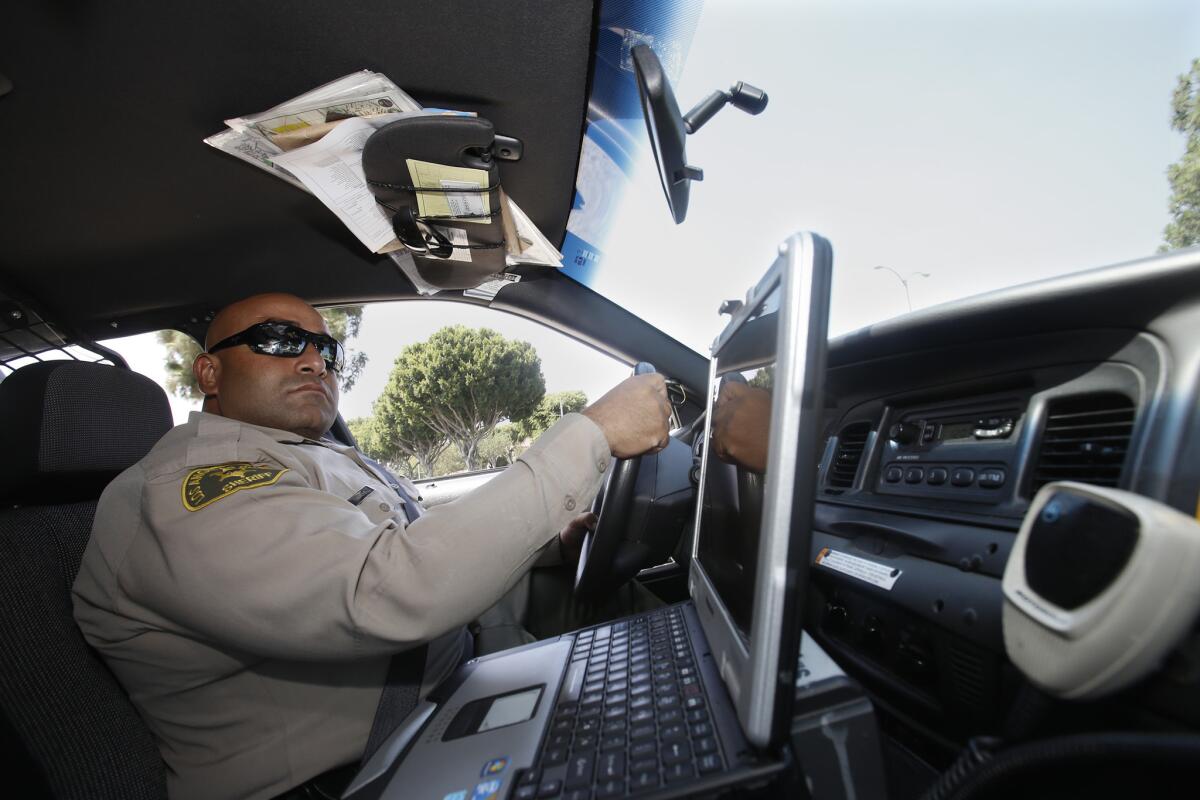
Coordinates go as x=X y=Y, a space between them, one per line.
x=945 y=149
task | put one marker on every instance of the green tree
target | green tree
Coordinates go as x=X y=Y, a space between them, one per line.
x=1184 y=174
x=401 y=435
x=502 y=446
x=449 y=462
x=412 y=463
x=459 y=384
x=366 y=435
x=548 y=412
x=344 y=323
x=181 y=350
x=764 y=378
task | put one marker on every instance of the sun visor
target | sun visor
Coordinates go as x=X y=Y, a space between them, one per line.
x=439 y=183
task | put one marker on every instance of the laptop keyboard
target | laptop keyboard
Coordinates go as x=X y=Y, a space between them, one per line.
x=641 y=720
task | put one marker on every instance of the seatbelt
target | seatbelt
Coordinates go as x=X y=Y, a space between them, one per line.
x=401 y=691
x=402 y=688
x=412 y=509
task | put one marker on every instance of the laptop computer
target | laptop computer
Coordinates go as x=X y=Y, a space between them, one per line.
x=683 y=700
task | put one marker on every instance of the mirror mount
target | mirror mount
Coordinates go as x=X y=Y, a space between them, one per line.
x=741 y=95
x=668 y=128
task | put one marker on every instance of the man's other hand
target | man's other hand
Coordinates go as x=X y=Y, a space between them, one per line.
x=635 y=415
x=741 y=425
x=570 y=538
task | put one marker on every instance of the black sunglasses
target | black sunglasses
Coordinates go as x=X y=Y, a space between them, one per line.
x=284 y=340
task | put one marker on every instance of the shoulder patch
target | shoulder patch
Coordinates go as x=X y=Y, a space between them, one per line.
x=207 y=485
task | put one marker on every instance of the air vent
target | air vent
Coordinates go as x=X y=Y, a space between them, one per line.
x=967 y=669
x=852 y=440
x=1086 y=439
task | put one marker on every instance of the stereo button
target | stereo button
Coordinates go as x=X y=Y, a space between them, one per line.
x=937 y=476
x=963 y=477
x=893 y=475
x=991 y=478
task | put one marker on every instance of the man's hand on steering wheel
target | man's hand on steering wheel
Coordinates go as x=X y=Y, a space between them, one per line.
x=570 y=538
x=635 y=415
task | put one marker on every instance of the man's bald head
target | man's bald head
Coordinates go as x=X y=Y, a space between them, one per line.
x=293 y=394
x=239 y=315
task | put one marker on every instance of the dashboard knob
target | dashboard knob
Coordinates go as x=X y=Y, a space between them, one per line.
x=903 y=433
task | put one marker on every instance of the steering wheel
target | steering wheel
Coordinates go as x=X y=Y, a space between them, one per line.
x=600 y=569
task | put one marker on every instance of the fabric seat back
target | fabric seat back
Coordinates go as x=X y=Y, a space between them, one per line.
x=72 y=427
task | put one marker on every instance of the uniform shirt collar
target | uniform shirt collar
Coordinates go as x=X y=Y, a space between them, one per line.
x=214 y=425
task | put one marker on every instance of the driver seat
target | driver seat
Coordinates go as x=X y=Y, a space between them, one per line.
x=71 y=427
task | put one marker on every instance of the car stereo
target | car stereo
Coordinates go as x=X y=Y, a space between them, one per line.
x=966 y=453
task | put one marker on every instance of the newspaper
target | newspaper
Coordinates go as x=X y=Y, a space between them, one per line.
x=281 y=129
x=258 y=138
x=360 y=94
x=252 y=150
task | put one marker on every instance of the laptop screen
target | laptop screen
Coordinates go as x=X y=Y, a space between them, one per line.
x=733 y=482
x=758 y=479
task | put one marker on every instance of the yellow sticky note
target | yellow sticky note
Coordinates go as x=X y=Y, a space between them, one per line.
x=473 y=203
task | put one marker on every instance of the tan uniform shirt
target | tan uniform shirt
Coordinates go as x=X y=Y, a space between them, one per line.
x=249 y=606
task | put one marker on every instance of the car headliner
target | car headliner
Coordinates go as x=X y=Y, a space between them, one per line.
x=114 y=211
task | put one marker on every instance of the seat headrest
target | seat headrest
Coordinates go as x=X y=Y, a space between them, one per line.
x=72 y=426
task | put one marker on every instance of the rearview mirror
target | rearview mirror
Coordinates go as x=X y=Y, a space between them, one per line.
x=668 y=128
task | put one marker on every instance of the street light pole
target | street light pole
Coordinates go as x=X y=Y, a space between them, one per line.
x=904 y=282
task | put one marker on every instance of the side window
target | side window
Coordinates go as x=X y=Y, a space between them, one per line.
x=431 y=388
x=164 y=357
x=15 y=356
x=448 y=388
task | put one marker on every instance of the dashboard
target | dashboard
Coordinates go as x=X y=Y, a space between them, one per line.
x=940 y=427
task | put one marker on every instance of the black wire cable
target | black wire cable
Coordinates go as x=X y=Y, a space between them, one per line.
x=401 y=187
x=394 y=210
x=979 y=751
x=1100 y=749
x=441 y=243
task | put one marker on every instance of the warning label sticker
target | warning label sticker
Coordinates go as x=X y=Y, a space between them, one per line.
x=880 y=575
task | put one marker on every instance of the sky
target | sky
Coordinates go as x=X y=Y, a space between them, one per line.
x=986 y=143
